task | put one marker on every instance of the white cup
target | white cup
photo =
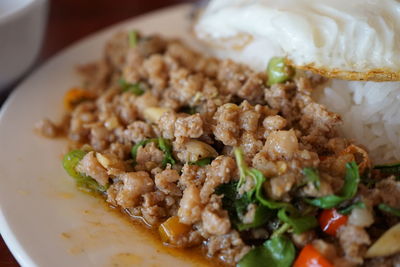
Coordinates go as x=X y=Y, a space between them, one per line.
x=22 y=25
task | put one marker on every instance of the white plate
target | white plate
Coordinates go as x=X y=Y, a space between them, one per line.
x=44 y=220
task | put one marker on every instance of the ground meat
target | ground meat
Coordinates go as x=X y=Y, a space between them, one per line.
x=250 y=144
x=253 y=88
x=190 y=206
x=205 y=109
x=166 y=182
x=191 y=126
x=182 y=54
x=192 y=175
x=116 y=49
x=301 y=240
x=90 y=166
x=354 y=241
x=153 y=44
x=135 y=184
x=281 y=144
x=280 y=186
x=227 y=120
x=95 y=75
x=185 y=85
x=274 y=123
x=156 y=70
x=319 y=124
x=229 y=247
x=138 y=131
x=47 y=128
x=166 y=123
x=279 y=96
x=221 y=171
x=99 y=137
x=149 y=156
x=153 y=215
x=215 y=220
x=388 y=190
x=81 y=117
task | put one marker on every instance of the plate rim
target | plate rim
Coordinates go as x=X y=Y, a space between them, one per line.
x=10 y=238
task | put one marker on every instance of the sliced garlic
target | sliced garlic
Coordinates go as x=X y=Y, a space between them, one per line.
x=388 y=244
x=194 y=150
x=103 y=160
x=152 y=114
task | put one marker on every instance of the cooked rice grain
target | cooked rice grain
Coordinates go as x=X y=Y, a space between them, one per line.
x=370 y=113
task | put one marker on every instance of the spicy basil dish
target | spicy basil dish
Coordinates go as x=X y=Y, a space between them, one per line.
x=210 y=153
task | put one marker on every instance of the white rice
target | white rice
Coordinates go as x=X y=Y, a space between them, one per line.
x=370 y=113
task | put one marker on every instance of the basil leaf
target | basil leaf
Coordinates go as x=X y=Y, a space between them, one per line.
x=348 y=191
x=300 y=224
x=202 y=162
x=275 y=252
x=228 y=190
x=389 y=209
x=237 y=207
x=133 y=38
x=347 y=210
x=84 y=182
x=312 y=176
x=188 y=110
x=259 y=179
x=261 y=216
x=391 y=169
x=134 y=88
x=166 y=147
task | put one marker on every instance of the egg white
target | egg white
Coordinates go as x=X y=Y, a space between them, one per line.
x=351 y=39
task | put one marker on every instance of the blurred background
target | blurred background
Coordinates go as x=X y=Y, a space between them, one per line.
x=71 y=20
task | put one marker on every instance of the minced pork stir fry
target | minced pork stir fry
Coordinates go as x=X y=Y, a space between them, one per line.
x=210 y=153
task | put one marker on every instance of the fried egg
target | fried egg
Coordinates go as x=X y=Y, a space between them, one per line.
x=347 y=39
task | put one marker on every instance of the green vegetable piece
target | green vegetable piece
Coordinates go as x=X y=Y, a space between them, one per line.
x=312 y=175
x=300 y=224
x=390 y=169
x=166 y=147
x=259 y=181
x=84 y=182
x=134 y=88
x=202 y=162
x=261 y=216
x=347 y=210
x=237 y=207
x=389 y=209
x=348 y=191
x=188 y=110
x=228 y=190
x=241 y=165
x=70 y=162
x=275 y=252
x=278 y=71
x=133 y=39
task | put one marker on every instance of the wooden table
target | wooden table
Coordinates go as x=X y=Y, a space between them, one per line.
x=69 y=21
